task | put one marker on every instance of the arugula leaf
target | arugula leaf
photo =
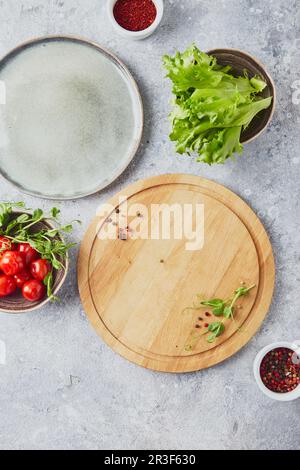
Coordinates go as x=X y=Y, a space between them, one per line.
x=211 y=106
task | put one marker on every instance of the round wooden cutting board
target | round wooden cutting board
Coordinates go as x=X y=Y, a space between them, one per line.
x=152 y=249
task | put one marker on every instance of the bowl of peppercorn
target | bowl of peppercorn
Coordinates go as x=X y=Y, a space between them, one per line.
x=135 y=19
x=277 y=371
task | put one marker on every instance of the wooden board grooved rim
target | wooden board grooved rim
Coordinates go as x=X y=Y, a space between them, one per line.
x=252 y=321
x=163 y=358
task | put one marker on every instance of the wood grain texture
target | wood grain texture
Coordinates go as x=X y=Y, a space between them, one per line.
x=134 y=291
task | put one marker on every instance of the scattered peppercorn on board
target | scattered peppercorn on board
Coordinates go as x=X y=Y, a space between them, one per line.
x=135 y=289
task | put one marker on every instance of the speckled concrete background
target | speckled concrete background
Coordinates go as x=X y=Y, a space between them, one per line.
x=62 y=387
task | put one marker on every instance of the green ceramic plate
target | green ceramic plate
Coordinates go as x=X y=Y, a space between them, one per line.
x=72 y=121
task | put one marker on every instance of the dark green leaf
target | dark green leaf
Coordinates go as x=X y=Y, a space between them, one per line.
x=220 y=330
x=218 y=303
x=37 y=214
x=218 y=311
x=55 y=212
x=214 y=326
x=243 y=290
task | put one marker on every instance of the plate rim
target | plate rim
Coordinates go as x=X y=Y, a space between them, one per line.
x=233 y=343
x=134 y=86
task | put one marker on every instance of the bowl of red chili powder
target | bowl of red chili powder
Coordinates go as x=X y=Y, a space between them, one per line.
x=135 y=19
x=277 y=371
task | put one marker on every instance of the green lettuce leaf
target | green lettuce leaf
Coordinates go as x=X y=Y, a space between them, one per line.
x=211 y=106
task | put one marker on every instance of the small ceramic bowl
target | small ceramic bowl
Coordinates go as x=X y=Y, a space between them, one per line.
x=241 y=61
x=294 y=394
x=136 y=35
x=16 y=303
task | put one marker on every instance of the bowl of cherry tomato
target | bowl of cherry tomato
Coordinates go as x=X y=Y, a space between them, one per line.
x=33 y=260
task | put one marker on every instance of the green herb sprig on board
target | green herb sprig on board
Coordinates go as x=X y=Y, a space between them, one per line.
x=48 y=242
x=220 y=308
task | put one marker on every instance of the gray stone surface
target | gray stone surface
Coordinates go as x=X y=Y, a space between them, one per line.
x=62 y=387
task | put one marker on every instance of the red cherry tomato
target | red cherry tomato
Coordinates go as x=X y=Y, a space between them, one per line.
x=30 y=253
x=33 y=290
x=7 y=285
x=39 y=269
x=12 y=262
x=6 y=244
x=22 y=277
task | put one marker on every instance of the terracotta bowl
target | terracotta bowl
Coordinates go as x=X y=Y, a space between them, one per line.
x=241 y=61
x=16 y=303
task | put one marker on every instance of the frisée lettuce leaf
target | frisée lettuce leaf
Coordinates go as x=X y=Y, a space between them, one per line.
x=211 y=106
